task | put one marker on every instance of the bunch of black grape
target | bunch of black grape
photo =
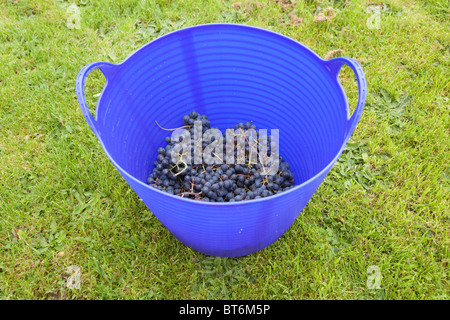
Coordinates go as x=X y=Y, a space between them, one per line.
x=219 y=181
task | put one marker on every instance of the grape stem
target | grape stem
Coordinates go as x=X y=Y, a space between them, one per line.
x=171 y=129
x=217 y=156
x=185 y=166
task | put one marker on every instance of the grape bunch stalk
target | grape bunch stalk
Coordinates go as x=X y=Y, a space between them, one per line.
x=214 y=180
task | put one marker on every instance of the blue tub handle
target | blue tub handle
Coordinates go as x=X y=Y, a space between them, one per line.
x=335 y=66
x=108 y=69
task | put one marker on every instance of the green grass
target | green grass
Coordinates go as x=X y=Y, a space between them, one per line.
x=385 y=203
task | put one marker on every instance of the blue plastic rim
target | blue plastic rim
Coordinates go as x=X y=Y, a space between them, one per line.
x=231 y=73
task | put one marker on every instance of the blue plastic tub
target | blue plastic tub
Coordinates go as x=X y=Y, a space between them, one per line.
x=231 y=73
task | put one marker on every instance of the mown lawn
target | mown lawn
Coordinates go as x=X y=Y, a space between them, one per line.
x=377 y=228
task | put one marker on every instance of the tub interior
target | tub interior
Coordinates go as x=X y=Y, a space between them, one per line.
x=231 y=74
